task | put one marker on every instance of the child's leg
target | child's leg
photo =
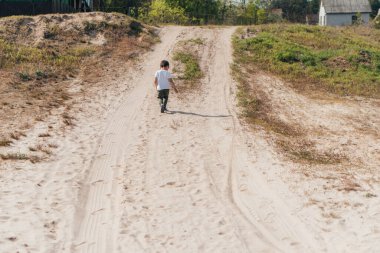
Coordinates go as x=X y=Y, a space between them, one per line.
x=166 y=97
x=160 y=97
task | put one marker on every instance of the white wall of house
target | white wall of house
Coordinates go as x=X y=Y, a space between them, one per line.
x=341 y=19
x=338 y=19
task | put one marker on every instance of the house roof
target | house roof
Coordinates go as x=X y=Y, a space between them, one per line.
x=346 y=6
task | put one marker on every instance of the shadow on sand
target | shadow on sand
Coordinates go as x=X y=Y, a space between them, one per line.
x=199 y=115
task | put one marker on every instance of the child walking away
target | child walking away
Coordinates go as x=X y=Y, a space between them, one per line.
x=163 y=82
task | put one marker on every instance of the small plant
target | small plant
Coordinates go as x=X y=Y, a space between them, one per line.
x=40 y=75
x=24 y=76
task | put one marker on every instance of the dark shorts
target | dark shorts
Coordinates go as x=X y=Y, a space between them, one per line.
x=163 y=94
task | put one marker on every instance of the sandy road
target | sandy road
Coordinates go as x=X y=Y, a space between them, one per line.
x=126 y=178
x=185 y=181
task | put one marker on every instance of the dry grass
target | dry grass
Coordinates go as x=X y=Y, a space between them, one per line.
x=35 y=72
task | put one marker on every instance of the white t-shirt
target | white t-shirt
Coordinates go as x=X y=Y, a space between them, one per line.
x=163 y=79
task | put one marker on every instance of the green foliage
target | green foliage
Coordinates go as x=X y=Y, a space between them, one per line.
x=161 y=12
x=261 y=16
x=375 y=5
x=192 y=69
x=296 y=10
x=344 y=61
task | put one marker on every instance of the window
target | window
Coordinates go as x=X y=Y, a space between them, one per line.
x=354 y=19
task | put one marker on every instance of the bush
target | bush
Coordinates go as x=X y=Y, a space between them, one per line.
x=161 y=12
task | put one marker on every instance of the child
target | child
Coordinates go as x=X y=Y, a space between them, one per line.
x=163 y=82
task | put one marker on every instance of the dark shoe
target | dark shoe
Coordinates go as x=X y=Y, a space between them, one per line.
x=162 y=109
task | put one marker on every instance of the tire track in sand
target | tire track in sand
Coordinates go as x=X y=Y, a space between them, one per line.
x=185 y=181
x=101 y=197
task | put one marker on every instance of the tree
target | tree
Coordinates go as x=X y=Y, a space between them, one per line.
x=294 y=10
x=375 y=5
x=161 y=12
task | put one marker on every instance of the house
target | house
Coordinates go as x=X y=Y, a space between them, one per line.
x=343 y=12
x=34 y=7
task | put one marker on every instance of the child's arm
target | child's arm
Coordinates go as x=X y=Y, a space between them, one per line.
x=173 y=85
x=155 y=82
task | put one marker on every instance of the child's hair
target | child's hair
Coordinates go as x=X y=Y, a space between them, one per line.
x=164 y=63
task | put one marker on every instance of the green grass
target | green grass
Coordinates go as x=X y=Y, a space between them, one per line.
x=341 y=61
x=192 y=70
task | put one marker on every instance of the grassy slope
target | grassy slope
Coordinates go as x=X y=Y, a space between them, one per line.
x=344 y=61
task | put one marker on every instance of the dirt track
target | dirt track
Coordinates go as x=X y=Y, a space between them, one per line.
x=183 y=181
x=129 y=179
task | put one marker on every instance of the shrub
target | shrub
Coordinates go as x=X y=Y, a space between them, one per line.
x=161 y=12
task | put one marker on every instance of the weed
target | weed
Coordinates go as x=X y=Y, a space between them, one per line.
x=192 y=69
x=40 y=75
x=24 y=77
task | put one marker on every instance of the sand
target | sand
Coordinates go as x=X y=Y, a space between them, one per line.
x=127 y=178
